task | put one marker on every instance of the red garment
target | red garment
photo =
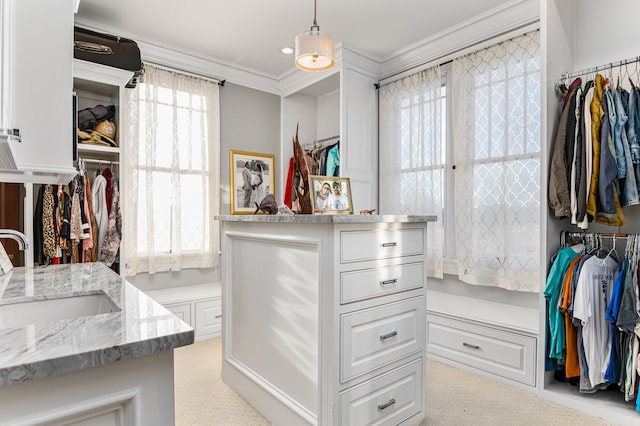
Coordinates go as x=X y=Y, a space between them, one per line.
x=289 y=183
x=109 y=189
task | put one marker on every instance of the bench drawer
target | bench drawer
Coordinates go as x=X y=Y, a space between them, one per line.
x=500 y=352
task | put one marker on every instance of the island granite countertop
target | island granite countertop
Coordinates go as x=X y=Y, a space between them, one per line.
x=326 y=218
x=140 y=327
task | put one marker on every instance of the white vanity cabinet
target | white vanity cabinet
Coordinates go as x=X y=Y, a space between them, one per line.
x=340 y=103
x=37 y=52
x=324 y=317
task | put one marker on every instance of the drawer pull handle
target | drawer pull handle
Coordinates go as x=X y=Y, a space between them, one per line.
x=386 y=405
x=389 y=244
x=469 y=345
x=388 y=335
x=218 y=316
x=387 y=282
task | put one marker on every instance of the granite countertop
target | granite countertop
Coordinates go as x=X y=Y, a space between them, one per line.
x=326 y=218
x=140 y=327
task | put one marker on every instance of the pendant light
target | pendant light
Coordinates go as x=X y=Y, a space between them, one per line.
x=314 y=50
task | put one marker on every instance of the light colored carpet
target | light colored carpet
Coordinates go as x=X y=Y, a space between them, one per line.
x=454 y=397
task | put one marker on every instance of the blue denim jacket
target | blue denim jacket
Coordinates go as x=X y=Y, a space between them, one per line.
x=611 y=212
x=617 y=123
x=608 y=169
x=634 y=125
x=629 y=189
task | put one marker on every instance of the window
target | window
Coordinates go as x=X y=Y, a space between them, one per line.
x=487 y=168
x=412 y=153
x=171 y=172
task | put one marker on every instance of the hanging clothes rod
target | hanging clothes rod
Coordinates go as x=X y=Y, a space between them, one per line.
x=326 y=139
x=319 y=141
x=596 y=234
x=605 y=67
x=566 y=235
x=91 y=160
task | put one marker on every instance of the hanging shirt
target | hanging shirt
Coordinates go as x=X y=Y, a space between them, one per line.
x=572 y=363
x=593 y=293
x=552 y=295
x=615 y=360
x=584 y=179
x=100 y=210
x=333 y=161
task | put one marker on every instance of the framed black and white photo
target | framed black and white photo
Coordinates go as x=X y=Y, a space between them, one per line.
x=330 y=195
x=252 y=177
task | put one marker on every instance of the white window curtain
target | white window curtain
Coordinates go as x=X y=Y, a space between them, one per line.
x=412 y=154
x=496 y=138
x=171 y=169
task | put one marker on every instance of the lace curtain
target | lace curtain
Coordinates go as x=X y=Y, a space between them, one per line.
x=411 y=156
x=496 y=140
x=171 y=168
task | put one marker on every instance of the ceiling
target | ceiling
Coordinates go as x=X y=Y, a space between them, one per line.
x=249 y=33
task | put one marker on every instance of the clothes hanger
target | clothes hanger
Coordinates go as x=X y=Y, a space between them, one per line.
x=589 y=244
x=628 y=247
x=613 y=250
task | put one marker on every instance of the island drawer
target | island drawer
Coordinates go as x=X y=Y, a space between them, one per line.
x=371 y=338
x=374 y=282
x=358 y=246
x=496 y=351
x=387 y=399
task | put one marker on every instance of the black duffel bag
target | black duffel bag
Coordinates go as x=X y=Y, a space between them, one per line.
x=110 y=50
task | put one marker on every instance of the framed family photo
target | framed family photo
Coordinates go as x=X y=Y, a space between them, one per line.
x=252 y=176
x=330 y=195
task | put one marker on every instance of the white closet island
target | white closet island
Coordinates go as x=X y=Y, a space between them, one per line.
x=324 y=317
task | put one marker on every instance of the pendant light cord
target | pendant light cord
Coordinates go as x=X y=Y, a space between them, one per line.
x=315 y=22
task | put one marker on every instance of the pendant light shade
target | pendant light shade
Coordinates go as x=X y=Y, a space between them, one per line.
x=314 y=50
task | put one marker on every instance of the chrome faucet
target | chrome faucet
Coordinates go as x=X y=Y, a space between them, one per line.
x=23 y=241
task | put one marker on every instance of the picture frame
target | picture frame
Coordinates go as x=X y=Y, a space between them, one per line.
x=252 y=177
x=330 y=202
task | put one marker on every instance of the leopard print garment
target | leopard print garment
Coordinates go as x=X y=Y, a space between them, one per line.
x=48 y=234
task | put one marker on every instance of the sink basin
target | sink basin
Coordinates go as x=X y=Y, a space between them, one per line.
x=39 y=311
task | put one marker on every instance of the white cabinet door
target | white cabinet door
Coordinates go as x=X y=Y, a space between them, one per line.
x=41 y=47
x=359 y=152
x=6 y=72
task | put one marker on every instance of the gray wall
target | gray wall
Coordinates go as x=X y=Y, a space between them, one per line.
x=249 y=121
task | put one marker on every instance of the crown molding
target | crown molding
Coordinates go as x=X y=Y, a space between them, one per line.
x=359 y=61
x=216 y=69
x=505 y=18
